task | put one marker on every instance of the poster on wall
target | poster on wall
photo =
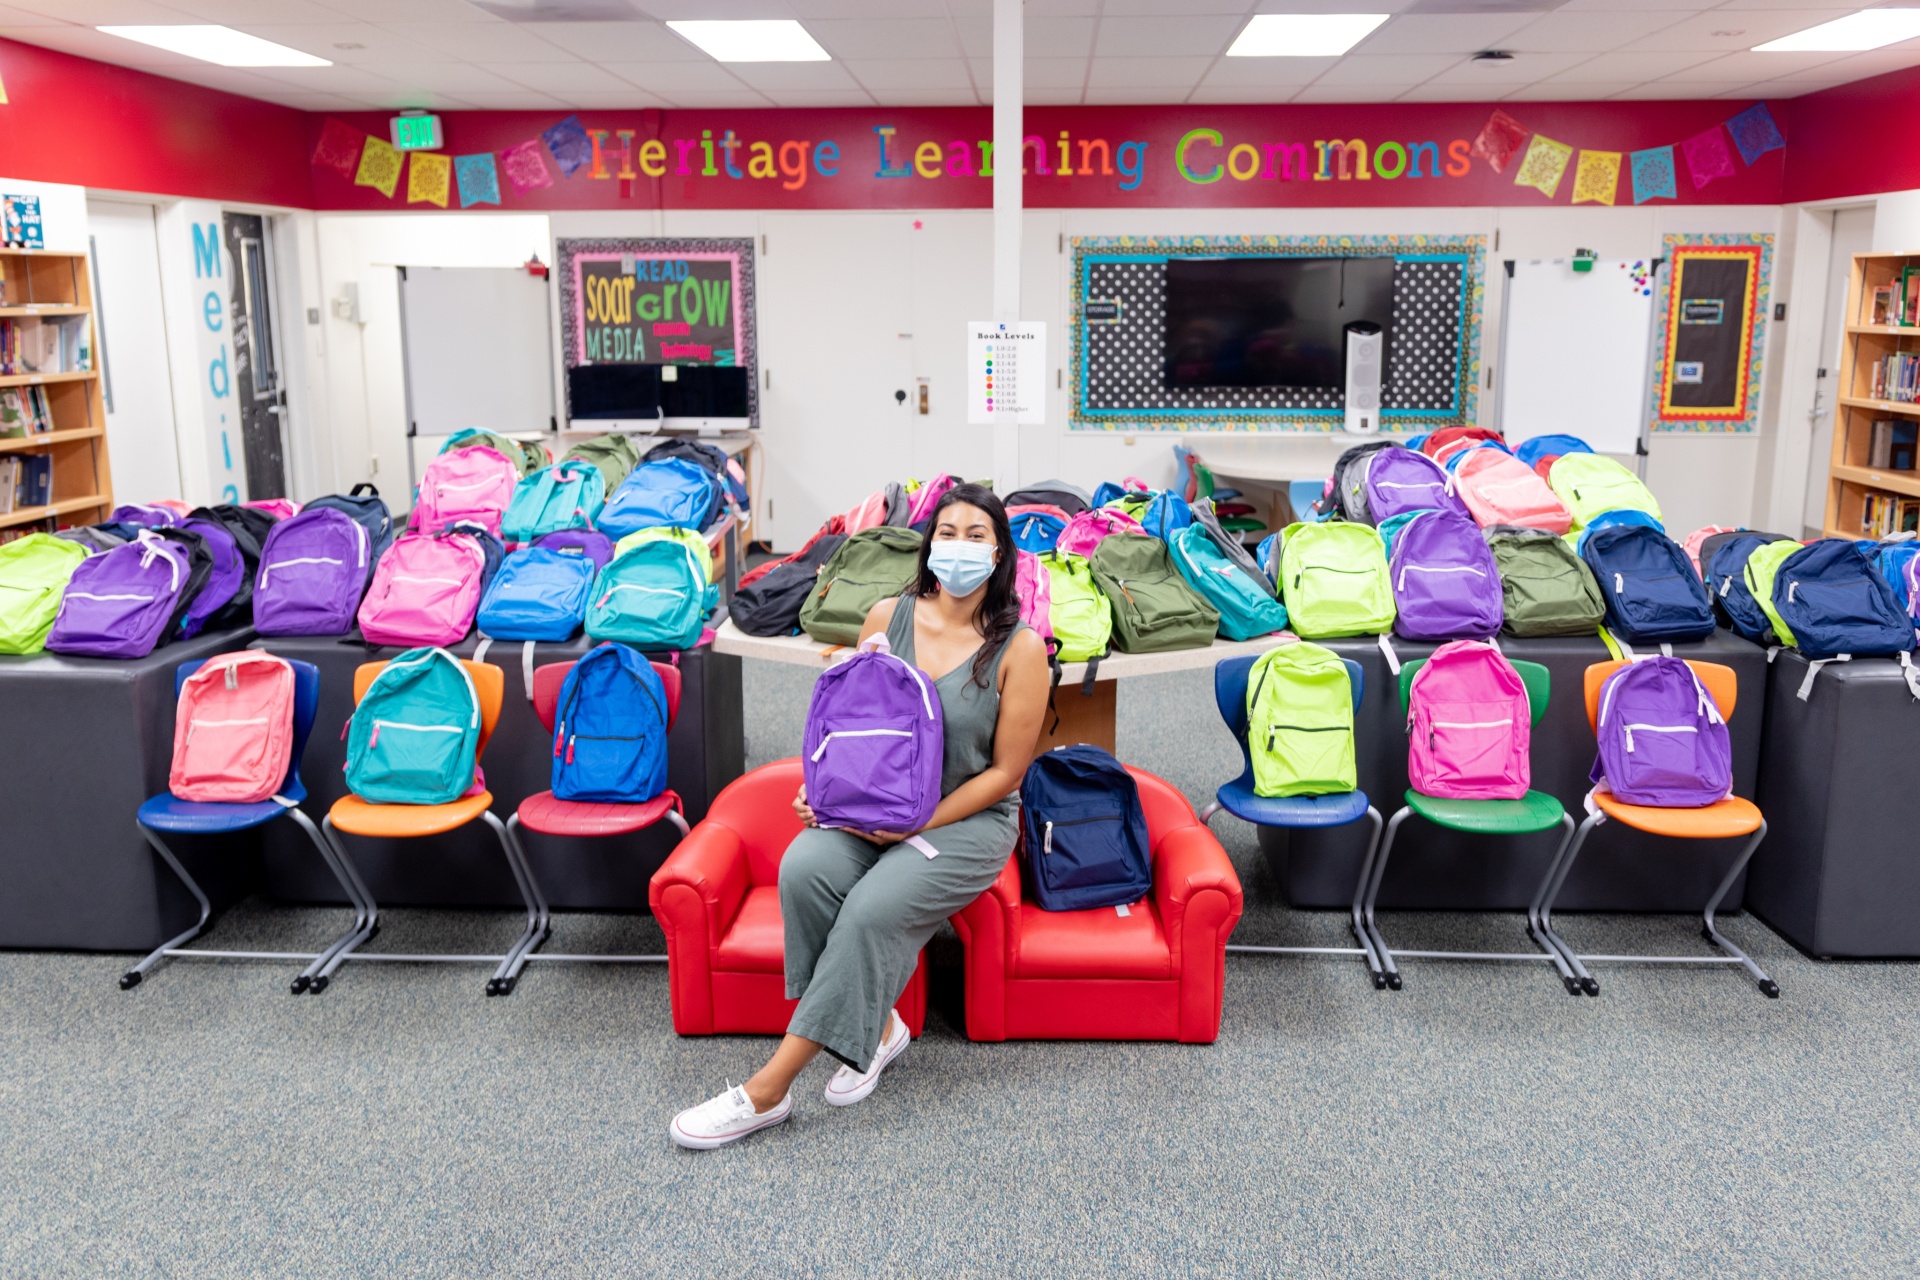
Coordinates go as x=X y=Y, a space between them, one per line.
x=672 y=304
x=1713 y=331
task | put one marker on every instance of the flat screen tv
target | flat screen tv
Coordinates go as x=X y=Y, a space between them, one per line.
x=1270 y=322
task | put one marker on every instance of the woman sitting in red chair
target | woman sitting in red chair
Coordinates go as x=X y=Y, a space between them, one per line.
x=859 y=905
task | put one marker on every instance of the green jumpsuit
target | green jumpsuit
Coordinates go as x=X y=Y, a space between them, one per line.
x=857 y=914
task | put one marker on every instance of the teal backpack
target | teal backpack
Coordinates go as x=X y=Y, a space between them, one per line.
x=1247 y=608
x=653 y=595
x=1335 y=581
x=415 y=736
x=1300 y=723
x=566 y=495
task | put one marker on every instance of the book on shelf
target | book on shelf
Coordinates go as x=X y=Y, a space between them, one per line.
x=24 y=411
x=1909 y=296
x=1884 y=514
x=26 y=480
x=46 y=344
x=1891 y=446
x=1884 y=305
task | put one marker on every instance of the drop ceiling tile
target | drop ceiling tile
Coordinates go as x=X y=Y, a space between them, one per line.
x=563 y=78
x=725 y=10
x=908 y=73
x=1746 y=68
x=339 y=78
x=1164 y=37
x=485 y=41
x=1503 y=77
x=1725 y=30
x=12 y=17
x=518 y=100
x=927 y=98
x=820 y=98
x=1039 y=73
x=819 y=11
x=628 y=99
x=1442 y=33
x=1675 y=90
x=1634 y=68
x=247 y=14
x=1039 y=97
x=676 y=77
x=740 y=97
x=1576 y=91
x=1676 y=6
x=1402 y=69
x=1163 y=9
x=807 y=77
x=621 y=42
x=93 y=13
x=1862 y=66
x=1433 y=91
x=323 y=40
x=1588 y=32
x=1123 y=96
x=447 y=77
x=1324 y=91
x=317 y=101
x=1237 y=95
x=1803 y=4
x=976 y=36
x=1327 y=6
x=419 y=100
x=1163 y=73
x=1256 y=73
x=1044 y=8
x=1058 y=37
x=412 y=10
x=887 y=37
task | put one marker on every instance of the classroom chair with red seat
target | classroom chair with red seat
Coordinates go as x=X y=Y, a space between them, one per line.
x=717 y=897
x=1726 y=818
x=1152 y=971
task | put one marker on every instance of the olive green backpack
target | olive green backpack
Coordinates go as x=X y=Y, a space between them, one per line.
x=1547 y=589
x=528 y=456
x=1154 y=608
x=873 y=565
x=34 y=571
x=613 y=453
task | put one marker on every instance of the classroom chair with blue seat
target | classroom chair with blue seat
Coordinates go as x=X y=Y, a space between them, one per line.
x=1337 y=810
x=1535 y=811
x=166 y=812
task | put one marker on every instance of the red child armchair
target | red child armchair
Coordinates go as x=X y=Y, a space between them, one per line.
x=717 y=896
x=1155 y=973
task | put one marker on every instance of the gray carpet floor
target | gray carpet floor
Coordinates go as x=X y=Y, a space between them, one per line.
x=1478 y=1123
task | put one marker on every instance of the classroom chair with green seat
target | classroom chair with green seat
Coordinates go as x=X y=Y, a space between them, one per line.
x=1536 y=811
x=1230 y=677
x=411 y=821
x=1727 y=818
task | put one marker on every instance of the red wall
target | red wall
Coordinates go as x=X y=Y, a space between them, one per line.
x=71 y=119
x=1841 y=143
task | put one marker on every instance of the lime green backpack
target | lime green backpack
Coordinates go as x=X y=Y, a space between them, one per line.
x=1300 y=723
x=873 y=565
x=1082 y=619
x=1334 y=580
x=33 y=577
x=1763 y=566
x=1589 y=484
x=688 y=538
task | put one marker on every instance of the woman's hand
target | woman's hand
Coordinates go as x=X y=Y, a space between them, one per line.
x=801 y=807
x=883 y=837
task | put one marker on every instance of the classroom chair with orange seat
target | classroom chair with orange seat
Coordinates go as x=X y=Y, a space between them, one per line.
x=357 y=817
x=717 y=898
x=1724 y=819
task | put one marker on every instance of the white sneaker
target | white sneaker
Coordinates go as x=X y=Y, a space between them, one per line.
x=727 y=1118
x=849 y=1086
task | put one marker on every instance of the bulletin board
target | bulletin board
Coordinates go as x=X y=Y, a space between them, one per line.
x=660 y=302
x=1118 y=333
x=1713 y=317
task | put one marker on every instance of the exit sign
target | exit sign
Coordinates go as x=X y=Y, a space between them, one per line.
x=416 y=132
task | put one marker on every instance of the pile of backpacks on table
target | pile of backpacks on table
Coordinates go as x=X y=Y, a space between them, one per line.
x=499 y=537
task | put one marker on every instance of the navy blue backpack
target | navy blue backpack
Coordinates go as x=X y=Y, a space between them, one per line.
x=369 y=511
x=610 y=729
x=1831 y=595
x=1653 y=594
x=1085 y=832
x=1726 y=569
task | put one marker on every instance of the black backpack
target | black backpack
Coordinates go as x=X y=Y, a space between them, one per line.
x=770 y=604
x=199 y=569
x=249 y=527
x=369 y=511
x=1348 y=500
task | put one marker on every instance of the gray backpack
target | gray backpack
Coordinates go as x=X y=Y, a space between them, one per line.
x=1231 y=547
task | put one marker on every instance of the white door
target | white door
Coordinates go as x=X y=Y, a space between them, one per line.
x=951 y=285
x=142 y=446
x=1852 y=233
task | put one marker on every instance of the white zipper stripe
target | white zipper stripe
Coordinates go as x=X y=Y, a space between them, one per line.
x=1472 y=724
x=1405 y=569
x=858 y=733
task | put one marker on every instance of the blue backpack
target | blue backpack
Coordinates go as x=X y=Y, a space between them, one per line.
x=540 y=593
x=1267 y=556
x=1893 y=557
x=1831 y=595
x=1166 y=515
x=1247 y=606
x=1532 y=450
x=1608 y=519
x=1085 y=832
x=566 y=495
x=1036 y=531
x=1653 y=594
x=415 y=735
x=673 y=493
x=654 y=595
x=610 y=730
x=1727 y=587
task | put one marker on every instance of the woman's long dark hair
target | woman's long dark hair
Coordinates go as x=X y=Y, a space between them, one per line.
x=999 y=611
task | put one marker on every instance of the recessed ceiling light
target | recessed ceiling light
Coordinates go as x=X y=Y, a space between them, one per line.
x=1868 y=29
x=775 y=40
x=1303 y=35
x=222 y=45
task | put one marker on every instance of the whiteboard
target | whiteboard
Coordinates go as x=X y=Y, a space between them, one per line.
x=477 y=344
x=1576 y=351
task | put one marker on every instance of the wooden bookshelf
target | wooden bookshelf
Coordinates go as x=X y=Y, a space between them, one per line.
x=51 y=284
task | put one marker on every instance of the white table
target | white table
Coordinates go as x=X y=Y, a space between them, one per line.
x=1082 y=718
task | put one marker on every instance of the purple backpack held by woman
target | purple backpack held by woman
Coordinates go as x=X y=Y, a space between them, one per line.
x=874 y=743
x=119 y=603
x=1445 y=583
x=1662 y=740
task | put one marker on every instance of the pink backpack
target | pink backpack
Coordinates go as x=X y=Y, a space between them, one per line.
x=233 y=732
x=1469 y=725
x=1090 y=528
x=887 y=505
x=425 y=589
x=921 y=502
x=468 y=484
x=1698 y=539
x=1498 y=488
x=278 y=508
x=1033 y=585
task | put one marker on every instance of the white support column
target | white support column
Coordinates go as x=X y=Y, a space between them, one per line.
x=1009 y=42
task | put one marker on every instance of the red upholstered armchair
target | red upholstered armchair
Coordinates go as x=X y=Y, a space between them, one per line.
x=717 y=896
x=1153 y=974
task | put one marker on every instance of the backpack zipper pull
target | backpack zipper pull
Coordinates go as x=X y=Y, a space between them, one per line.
x=559 y=736
x=374 y=741
x=1046 y=843
x=570 y=742
x=1619 y=583
x=233 y=678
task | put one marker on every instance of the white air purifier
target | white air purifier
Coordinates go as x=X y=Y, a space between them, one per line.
x=1366 y=351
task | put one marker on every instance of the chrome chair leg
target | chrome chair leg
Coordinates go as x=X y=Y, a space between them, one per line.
x=358 y=938
x=538 y=916
x=131 y=978
x=1563 y=959
x=1374 y=964
x=356 y=894
x=1373 y=893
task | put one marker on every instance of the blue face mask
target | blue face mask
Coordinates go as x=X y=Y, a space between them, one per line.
x=961 y=566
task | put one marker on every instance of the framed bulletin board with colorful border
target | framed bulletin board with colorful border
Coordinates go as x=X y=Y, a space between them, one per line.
x=1118 y=336
x=662 y=302
x=1713 y=332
